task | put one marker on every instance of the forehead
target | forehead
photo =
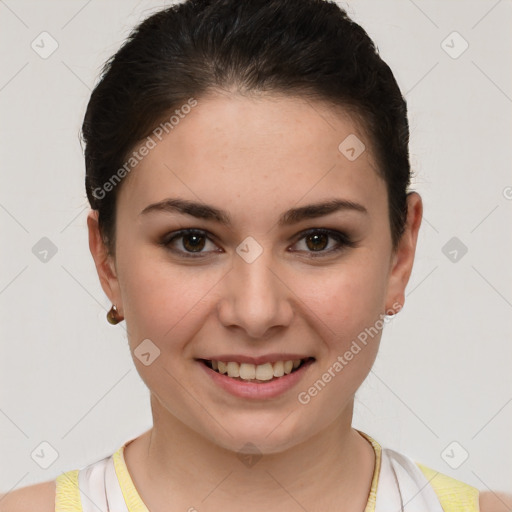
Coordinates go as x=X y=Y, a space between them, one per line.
x=257 y=150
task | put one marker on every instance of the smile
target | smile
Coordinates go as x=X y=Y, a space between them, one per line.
x=256 y=381
x=255 y=372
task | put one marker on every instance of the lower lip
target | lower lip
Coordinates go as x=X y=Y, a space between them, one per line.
x=256 y=390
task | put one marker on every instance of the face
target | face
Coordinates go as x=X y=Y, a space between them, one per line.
x=261 y=278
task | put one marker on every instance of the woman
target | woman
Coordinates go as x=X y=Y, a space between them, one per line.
x=247 y=169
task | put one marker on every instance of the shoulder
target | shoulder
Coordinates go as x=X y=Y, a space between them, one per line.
x=40 y=497
x=457 y=495
x=454 y=495
x=495 y=501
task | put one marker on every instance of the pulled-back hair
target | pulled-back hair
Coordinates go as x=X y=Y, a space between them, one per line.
x=304 y=48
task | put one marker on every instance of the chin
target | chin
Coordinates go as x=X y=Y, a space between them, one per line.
x=268 y=434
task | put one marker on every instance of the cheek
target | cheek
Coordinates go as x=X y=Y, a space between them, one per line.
x=350 y=327
x=163 y=301
x=350 y=298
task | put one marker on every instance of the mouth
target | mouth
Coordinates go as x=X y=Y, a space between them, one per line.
x=257 y=373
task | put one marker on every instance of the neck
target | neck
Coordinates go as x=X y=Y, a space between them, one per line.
x=172 y=463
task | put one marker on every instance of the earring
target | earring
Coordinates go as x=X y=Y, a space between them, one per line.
x=394 y=310
x=113 y=315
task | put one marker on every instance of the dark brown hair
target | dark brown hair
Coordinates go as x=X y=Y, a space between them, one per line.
x=305 y=48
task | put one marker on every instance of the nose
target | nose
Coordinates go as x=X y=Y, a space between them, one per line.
x=255 y=297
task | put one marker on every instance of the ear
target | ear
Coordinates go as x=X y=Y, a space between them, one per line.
x=403 y=257
x=105 y=263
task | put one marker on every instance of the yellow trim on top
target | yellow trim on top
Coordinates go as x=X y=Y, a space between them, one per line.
x=67 y=492
x=454 y=495
x=131 y=496
x=135 y=504
x=372 y=497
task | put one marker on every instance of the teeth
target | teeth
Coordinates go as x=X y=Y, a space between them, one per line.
x=261 y=372
x=278 y=369
x=233 y=369
x=264 y=371
x=247 y=371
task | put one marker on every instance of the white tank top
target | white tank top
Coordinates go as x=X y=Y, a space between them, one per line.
x=402 y=487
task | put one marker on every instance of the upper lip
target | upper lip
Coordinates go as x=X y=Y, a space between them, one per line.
x=269 y=358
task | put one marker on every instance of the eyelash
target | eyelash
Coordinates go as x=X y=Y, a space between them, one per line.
x=342 y=239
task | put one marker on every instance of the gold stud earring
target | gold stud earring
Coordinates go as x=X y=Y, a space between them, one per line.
x=394 y=310
x=113 y=315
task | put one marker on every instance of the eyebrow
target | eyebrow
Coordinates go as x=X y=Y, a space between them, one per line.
x=292 y=216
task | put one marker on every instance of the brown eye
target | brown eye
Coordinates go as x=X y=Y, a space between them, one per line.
x=317 y=242
x=193 y=241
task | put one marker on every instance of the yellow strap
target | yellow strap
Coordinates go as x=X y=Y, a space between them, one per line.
x=67 y=493
x=454 y=495
x=372 y=497
x=131 y=496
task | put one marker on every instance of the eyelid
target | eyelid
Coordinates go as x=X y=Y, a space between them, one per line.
x=170 y=237
x=343 y=240
x=331 y=232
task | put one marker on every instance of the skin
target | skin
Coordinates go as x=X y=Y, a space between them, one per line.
x=254 y=158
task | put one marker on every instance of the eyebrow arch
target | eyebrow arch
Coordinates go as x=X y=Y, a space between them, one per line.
x=292 y=216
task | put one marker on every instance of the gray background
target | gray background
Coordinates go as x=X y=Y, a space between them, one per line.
x=441 y=387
